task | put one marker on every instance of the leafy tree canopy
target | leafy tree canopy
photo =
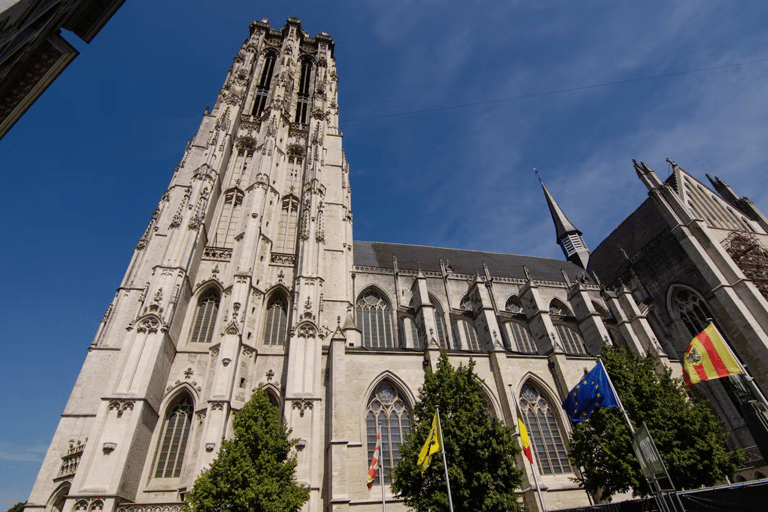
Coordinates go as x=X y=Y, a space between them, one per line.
x=255 y=471
x=480 y=450
x=688 y=434
x=19 y=507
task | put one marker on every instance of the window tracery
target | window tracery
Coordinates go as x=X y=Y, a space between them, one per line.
x=303 y=96
x=205 y=318
x=276 y=323
x=551 y=457
x=262 y=90
x=173 y=444
x=521 y=337
x=387 y=411
x=229 y=219
x=289 y=224
x=692 y=310
x=374 y=319
x=513 y=305
x=442 y=332
x=572 y=341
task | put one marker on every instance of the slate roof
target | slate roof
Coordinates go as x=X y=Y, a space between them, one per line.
x=637 y=230
x=409 y=257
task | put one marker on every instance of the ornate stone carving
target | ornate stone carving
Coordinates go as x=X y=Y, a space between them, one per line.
x=121 y=406
x=302 y=405
x=200 y=416
x=288 y=260
x=149 y=324
x=306 y=330
x=71 y=459
x=152 y=507
x=217 y=406
x=217 y=253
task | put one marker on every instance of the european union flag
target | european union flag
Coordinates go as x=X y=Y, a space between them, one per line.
x=592 y=392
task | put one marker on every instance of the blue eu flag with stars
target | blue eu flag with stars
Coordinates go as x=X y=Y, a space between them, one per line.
x=591 y=393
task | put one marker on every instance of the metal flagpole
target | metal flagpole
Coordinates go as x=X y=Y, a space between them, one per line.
x=445 y=463
x=533 y=470
x=654 y=485
x=618 y=399
x=381 y=469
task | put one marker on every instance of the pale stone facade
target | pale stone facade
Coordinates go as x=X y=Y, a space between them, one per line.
x=248 y=274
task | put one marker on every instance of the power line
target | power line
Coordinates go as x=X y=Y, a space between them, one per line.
x=557 y=91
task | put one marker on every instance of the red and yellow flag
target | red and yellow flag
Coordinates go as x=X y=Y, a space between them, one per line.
x=708 y=358
x=374 y=462
x=525 y=440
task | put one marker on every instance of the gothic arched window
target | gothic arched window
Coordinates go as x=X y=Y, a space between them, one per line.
x=465 y=335
x=303 y=95
x=205 y=319
x=572 y=341
x=521 y=336
x=442 y=331
x=408 y=327
x=547 y=442
x=692 y=310
x=374 y=319
x=513 y=305
x=173 y=441
x=276 y=324
x=387 y=412
x=229 y=219
x=289 y=223
x=262 y=90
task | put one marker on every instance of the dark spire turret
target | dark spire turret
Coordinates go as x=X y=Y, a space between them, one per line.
x=568 y=236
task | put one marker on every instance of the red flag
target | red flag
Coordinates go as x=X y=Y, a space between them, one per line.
x=374 y=462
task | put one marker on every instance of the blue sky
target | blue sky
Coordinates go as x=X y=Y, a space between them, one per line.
x=446 y=108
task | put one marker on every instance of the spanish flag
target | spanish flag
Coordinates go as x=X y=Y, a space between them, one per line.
x=525 y=440
x=708 y=358
x=431 y=447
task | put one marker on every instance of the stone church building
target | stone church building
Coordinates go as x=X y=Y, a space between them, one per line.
x=248 y=274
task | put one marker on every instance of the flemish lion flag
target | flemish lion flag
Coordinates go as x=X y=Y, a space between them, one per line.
x=708 y=358
x=525 y=440
x=374 y=462
x=431 y=447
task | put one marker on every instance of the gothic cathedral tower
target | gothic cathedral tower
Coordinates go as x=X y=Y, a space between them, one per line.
x=251 y=241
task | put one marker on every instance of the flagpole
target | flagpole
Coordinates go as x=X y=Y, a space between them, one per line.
x=533 y=470
x=618 y=399
x=445 y=463
x=381 y=468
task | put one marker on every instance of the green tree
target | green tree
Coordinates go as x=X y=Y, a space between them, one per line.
x=480 y=450
x=689 y=435
x=255 y=471
x=19 y=507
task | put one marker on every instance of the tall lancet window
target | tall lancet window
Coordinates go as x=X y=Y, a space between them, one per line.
x=229 y=219
x=692 y=310
x=262 y=90
x=303 y=99
x=205 y=319
x=388 y=413
x=277 y=321
x=173 y=443
x=442 y=331
x=375 y=320
x=289 y=224
x=539 y=418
